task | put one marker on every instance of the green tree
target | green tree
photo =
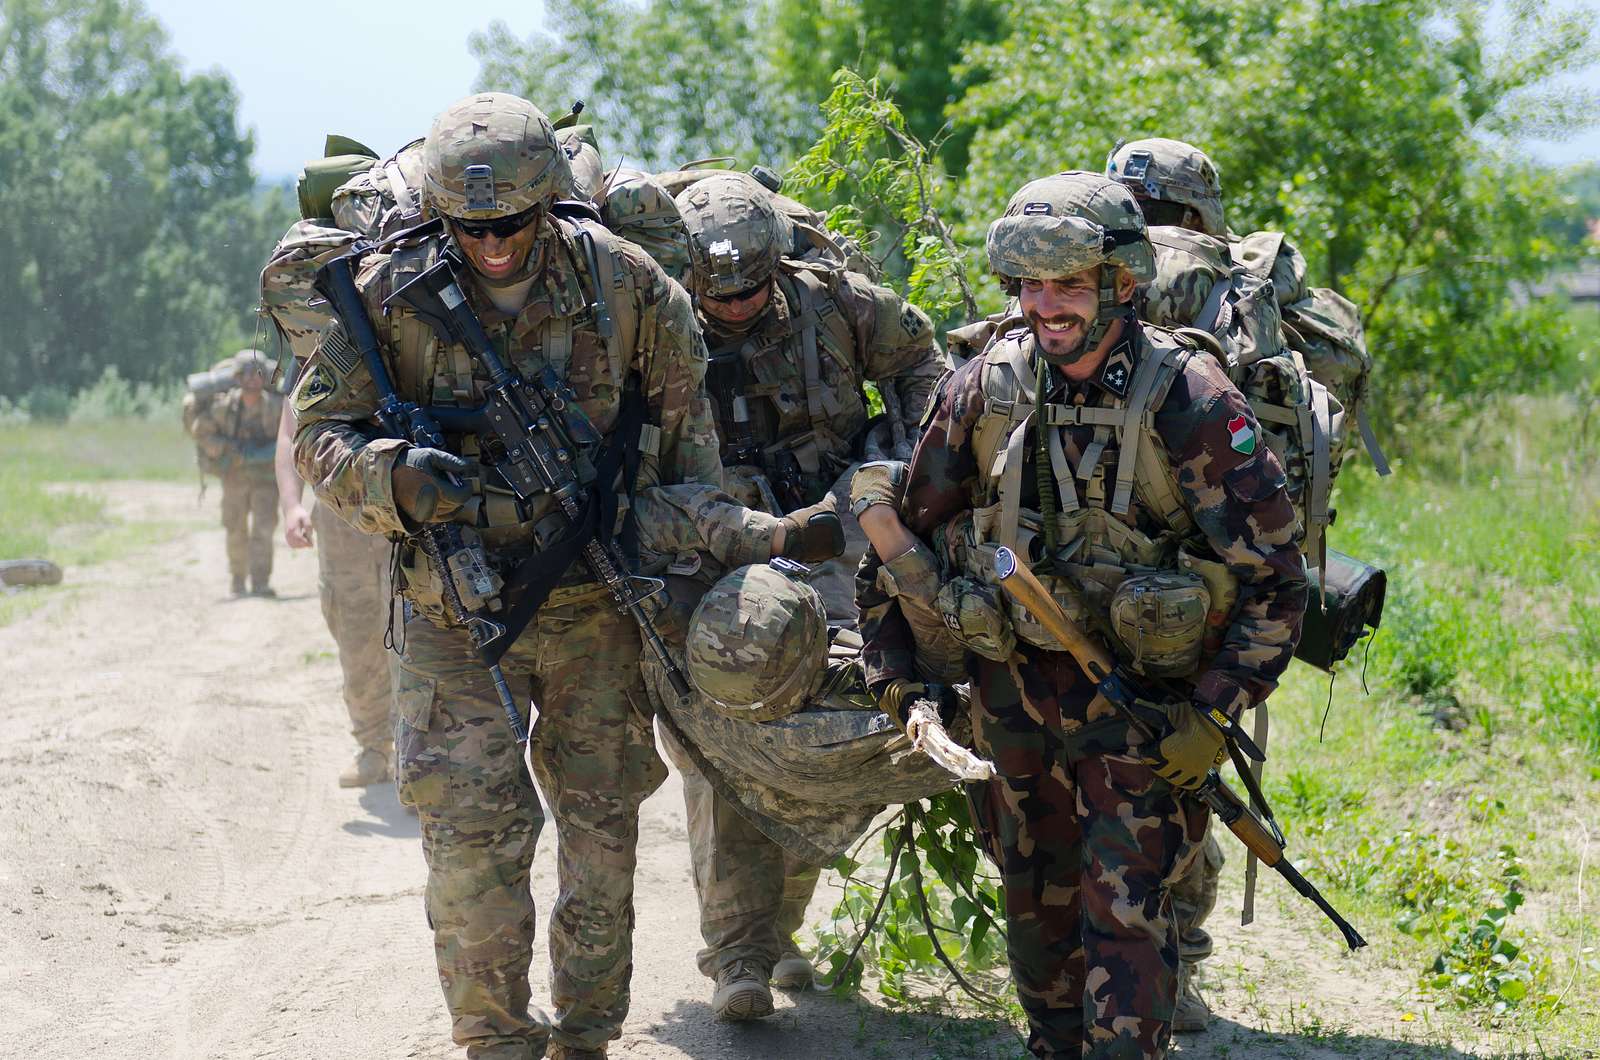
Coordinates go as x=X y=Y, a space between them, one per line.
x=134 y=229
x=1381 y=137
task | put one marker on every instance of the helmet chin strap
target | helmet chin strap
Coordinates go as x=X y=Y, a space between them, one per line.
x=1108 y=309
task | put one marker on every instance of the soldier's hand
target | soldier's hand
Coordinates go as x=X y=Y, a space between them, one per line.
x=1189 y=752
x=812 y=534
x=897 y=697
x=877 y=482
x=297 y=527
x=430 y=484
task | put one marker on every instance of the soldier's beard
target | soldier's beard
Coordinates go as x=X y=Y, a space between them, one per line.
x=1063 y=347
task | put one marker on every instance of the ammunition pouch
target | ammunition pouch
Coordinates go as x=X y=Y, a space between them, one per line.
x=1159 y=620
x=1345 y=599
x=974 y=614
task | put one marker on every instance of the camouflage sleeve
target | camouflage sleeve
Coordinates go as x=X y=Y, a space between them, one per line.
x=1236 y=491
x=944 y=466
x=896 y=345
x=889 y=649
x=938 y=486
x=685 y=507
x=335 y=448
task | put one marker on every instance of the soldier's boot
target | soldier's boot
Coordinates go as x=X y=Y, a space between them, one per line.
x=1191 y=1014
x=238 y=585
x=742 y=992
x=793 y=970
x=372 y=766
x=558 y=1051
x=259 y=587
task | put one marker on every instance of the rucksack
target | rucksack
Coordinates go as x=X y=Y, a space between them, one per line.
x=201 y=390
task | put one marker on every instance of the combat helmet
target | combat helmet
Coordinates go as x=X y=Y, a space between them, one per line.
x=1171 y=171
x=736 y=235
x=1061 y=225
x=758 y=644
x=583 y=159
x=252 y=362
x=492 y=155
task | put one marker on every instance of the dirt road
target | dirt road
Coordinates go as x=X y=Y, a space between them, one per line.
x=180 y=876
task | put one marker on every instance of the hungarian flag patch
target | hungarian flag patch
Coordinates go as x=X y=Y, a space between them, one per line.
x=1241 y=435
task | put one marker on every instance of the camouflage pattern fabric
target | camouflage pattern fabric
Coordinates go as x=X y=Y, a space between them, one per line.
x=757 y=644
x=595 y=760
x=1072 y=778
x=509 y=135
x=353 y=583
x=1194 y=896
x=1057 y=226
x=1172 y=171
x=592 y=748
x=385 y=199
x=637 y=208
x=241 y=438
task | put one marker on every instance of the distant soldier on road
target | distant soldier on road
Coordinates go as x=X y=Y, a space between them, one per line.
x=236 y=434
x=353 y=581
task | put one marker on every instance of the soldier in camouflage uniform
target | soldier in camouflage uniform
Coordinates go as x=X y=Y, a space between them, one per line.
x=1147 y=446
x=238 y=432
x=353 y=583
x=791 y=345
x=541 y=284
x=1180 y=196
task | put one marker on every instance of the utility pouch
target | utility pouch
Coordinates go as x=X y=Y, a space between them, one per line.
x=973 y=612
x=1160 y=621
x=1224 y=590
x=1345 y=599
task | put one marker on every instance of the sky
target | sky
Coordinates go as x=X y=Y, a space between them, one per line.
x=292 y=94
x=295 y=87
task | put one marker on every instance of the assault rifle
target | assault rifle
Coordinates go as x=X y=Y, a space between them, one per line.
x=470 y=586
x=1123 y=692
x=726 y=380
x=544 y=437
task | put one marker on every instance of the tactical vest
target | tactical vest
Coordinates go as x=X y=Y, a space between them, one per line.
x=804 y=387
x=1164 y=605
x=596 y=306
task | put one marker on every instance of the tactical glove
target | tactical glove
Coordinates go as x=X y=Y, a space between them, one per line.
x=813 y=534
x=1190 y=751
x=877 y=482
x=901 y=694
x=429 y=484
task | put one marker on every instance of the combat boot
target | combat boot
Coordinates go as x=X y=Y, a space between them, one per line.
x=557 y=1051
x=793 y=970
x=742 y=992
x=370 y=767
x=1191 y=1014
x=238 y=586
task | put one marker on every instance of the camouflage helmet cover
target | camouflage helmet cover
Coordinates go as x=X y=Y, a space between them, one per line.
x=583 y=159
x=253 y=362
x=758 y=644
x=1172 y=171
x=492 y=155
x=1063 y=224
x=736 y=234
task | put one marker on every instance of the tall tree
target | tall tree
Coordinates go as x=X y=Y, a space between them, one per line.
x=133 y=224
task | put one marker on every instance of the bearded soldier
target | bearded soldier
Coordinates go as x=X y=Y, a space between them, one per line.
x=1119 y=458
x=791 y=346
x=566 y=295
x=237 y=433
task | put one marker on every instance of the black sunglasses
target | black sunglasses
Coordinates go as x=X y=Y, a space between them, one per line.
x=500 y=227
x=739 y=296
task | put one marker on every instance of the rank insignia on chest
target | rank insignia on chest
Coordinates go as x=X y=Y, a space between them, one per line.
x=1118 y=371
x=1241 y=436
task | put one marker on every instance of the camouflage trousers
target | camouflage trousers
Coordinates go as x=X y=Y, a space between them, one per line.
x=1089 y=842
x=1194 y=896
x=353 y=582
x=249 y=515
x=753 y=894
x=594 y=755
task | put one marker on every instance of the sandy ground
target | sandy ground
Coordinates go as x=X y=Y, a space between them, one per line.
x=180 y=876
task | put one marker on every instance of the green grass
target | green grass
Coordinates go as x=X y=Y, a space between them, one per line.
x=48 y=505
x=1452 y=810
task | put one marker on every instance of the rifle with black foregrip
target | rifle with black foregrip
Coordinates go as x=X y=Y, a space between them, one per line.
x=1123 y=692
x=471 y=587
x=544 y=437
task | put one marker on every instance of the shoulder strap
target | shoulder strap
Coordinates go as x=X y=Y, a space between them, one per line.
x=1212 y=310
x=811 y=363
x=404 y=196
